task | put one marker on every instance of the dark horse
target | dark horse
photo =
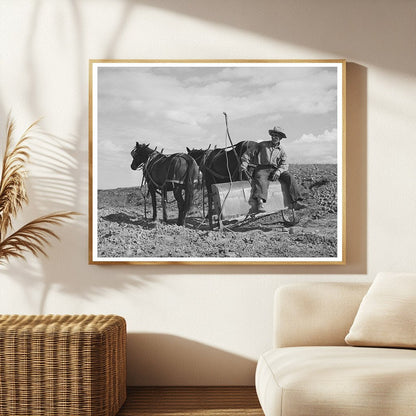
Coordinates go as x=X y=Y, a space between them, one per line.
x=221 y=165
x=176 y=172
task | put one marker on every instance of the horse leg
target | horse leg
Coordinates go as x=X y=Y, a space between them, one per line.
x=153 y=195
x=209 y=206
x=163 y=196
x=177 y=191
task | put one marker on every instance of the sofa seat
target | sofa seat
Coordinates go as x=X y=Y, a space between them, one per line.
x=337 y=381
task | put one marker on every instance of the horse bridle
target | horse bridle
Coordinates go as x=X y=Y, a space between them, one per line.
x=133 y=155
x=145 y=162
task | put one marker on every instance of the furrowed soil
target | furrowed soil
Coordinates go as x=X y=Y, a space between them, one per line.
x=123 y=229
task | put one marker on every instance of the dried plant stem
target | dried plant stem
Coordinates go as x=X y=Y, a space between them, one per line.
x=34 y=236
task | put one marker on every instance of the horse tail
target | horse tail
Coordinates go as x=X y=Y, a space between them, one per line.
x=192 y=167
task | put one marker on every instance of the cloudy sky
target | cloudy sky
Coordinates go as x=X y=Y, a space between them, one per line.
x=173 y=107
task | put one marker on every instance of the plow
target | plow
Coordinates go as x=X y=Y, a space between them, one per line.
x=231 y=203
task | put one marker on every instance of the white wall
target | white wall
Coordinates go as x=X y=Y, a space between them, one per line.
x=204 y=324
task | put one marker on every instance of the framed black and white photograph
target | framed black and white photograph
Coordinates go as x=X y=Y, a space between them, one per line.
x=208 y=162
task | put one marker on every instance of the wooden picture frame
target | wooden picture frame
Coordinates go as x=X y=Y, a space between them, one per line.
x=169 y=106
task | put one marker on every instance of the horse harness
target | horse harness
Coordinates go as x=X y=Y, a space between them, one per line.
x=152 y=162
x=208 y=169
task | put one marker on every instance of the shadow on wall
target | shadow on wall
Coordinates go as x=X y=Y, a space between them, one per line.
x=54 y=188
x=60 y=182
x=356 y=169
x=161 y=359
x=334 y=27
x=83 y=287
x=59 y=178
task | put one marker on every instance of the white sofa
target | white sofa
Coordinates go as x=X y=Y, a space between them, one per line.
x=311 y=371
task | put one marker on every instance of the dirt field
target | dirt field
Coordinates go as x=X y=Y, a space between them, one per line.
x=123 y=230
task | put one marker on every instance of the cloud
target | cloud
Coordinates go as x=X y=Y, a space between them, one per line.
x=310 y=148
x=242 y=92
x=306 y=90
x=327 y=136
x=180 y=116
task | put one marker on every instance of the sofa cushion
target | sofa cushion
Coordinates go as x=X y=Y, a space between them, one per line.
x=304 y=381
x=387 y=314
x=315 y=314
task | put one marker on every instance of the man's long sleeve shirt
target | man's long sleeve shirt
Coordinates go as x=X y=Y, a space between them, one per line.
x=266 y=154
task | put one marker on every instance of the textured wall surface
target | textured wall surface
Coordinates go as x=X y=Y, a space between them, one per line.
x=192 y=325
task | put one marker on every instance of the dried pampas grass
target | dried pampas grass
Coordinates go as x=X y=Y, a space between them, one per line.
x=34 y=236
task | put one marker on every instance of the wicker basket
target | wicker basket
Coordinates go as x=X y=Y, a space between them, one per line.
x=71 y=365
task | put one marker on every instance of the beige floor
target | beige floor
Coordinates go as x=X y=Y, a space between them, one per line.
x=187 y=401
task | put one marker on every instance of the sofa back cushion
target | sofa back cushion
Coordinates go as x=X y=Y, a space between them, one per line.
x=308 y=314
x=387 y=314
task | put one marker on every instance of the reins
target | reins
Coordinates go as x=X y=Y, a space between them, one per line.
x=146 y=169
x=232 y=145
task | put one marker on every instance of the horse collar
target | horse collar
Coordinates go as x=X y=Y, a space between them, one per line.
x=152 y=155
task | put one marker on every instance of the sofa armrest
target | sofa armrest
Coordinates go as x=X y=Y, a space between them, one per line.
x=308 y=314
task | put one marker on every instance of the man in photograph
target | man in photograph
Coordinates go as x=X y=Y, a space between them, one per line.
x=268 y=162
